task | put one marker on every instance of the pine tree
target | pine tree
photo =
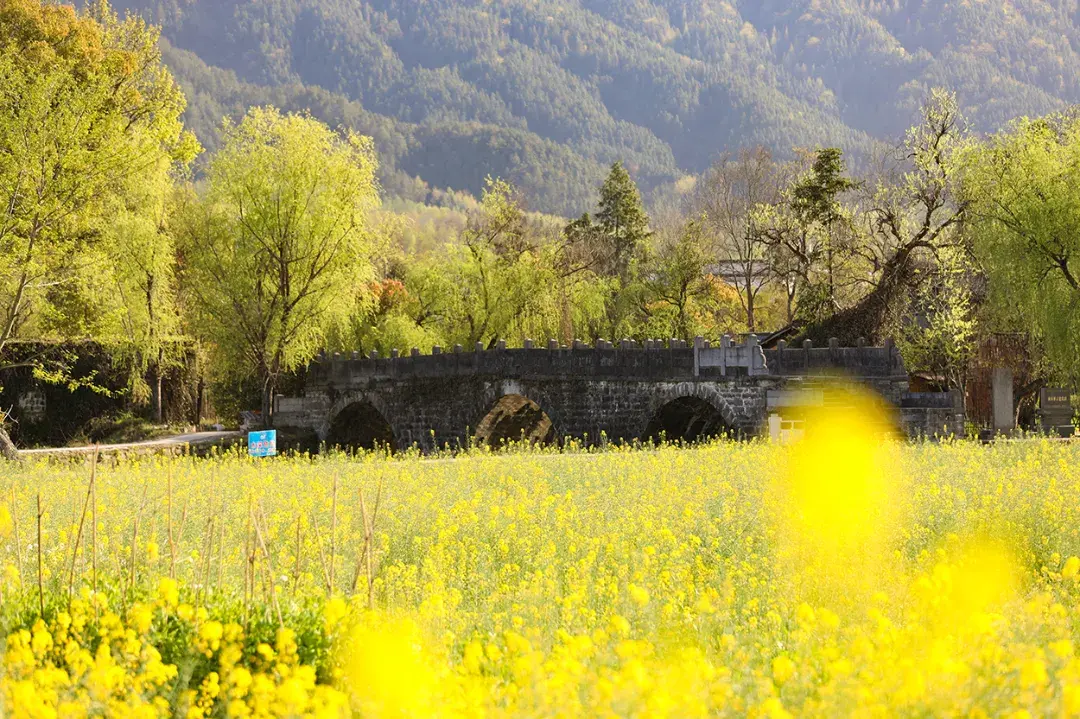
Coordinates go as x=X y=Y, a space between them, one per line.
x=623 y=220
x=815 y=201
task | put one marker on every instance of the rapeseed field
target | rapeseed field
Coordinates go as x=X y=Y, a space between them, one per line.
x=843 y=576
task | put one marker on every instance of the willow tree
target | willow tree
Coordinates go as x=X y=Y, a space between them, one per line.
x=275 y=247
x=1024 y=188
x=87 y=111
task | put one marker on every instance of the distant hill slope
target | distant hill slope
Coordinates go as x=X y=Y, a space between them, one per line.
x=548 y=92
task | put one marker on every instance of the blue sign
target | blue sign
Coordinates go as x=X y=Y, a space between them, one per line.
x=262 y=444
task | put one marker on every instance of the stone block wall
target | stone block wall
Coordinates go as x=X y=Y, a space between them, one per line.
x=436 y=412
x=54 y=413
x=932 y=422
x=589 y=394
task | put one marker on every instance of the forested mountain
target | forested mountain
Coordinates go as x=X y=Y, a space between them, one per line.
x=549 y=92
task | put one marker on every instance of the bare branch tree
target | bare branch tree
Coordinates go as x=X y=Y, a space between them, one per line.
x=730 y=198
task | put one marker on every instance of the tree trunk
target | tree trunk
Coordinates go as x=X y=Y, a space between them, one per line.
x=269 y=387
x=155 y=391
x=200 y=398
x=869 y=317
x=832 y=279
x=7 y=447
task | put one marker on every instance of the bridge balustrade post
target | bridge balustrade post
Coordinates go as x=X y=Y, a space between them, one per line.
x=528 y=344
x=755 y=357
x=478 y=347
x=415 y=352
x=500 y=345
x=355 y=355
x=458 y=349
x=395 y=353
x=834 y=351
x=807 y=345
x=725 y=346
x=699 y=343
x=553 y=344
x=436 y=350
x=780 y=347
x=374 y=354
x=337 y=356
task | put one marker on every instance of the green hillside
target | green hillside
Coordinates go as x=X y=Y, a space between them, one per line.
x=549 y=92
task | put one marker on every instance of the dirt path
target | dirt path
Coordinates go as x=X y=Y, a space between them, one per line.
x=195 y=439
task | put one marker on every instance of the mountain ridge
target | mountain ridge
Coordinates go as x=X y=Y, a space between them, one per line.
x=549 y=92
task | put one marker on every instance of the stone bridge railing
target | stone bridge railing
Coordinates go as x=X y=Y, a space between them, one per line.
x=861 y=361
x=617 y=391
x=672 y=360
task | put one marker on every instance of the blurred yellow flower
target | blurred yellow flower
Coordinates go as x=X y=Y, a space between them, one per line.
x=1071 y=568
x=386 y=670
x=168 y=592
x=782 y=669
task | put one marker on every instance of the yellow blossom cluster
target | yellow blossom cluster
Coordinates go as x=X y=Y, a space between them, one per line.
x=270 y=683
x=87 y=661
x=844 y=577
x=91 y=661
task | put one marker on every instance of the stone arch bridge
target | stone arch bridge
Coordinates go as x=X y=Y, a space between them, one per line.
x=595 y=394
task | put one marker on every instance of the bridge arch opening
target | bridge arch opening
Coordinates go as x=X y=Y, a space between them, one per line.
x=687 y=419
x=514 y=418
x=361 y=426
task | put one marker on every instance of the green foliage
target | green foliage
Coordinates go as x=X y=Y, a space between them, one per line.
x=623 y=223
x=1025 y=212
x=810 y=236
x=280 y=238
x=90 y=120
x=942 y=337
x=497 y=279
x=815 y=197
x=610 y=248
x=683 y=299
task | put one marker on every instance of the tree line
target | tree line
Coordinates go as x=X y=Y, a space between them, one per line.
x=282 y=246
